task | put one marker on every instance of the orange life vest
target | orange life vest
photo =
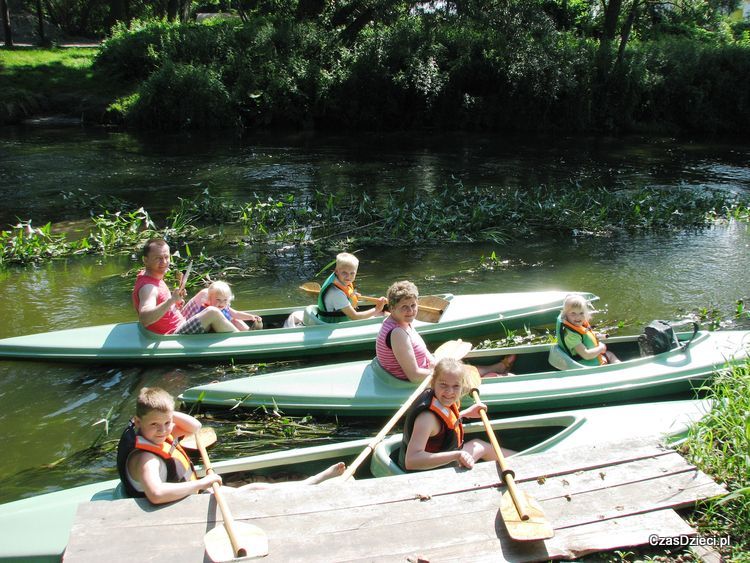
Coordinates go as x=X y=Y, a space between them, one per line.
x=589 y=340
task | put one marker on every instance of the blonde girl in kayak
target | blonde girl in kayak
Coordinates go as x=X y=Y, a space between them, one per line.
x=575 y=337
x=433 y=431
x=220 y=295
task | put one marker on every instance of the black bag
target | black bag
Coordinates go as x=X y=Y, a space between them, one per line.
x=657 y=338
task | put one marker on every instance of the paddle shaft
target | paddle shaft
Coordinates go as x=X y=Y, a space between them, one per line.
x=387 y=428
x=184 y=278
x=226 y=514
x=314 y=289
x=505 y=472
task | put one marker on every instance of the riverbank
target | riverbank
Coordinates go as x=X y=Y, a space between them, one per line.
x=52 y=82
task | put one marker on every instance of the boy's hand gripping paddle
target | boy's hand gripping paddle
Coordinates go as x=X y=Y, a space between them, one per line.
x=234 y=539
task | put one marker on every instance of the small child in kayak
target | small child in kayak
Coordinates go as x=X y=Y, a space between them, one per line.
x=433 y=432
x=338 y=299
x=575 y=337
x=220 y=295
x=152 y=464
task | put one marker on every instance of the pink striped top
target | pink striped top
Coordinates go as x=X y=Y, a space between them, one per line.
x=385 y=353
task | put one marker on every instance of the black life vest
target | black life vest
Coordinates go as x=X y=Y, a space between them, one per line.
x=451 y=435
x=179 y=466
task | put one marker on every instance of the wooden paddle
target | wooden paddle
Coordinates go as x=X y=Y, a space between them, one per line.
x=451 y=349
x=431 y=307
x=184 y=278
x=234 y=539
x=521 y=513
x=208 y=438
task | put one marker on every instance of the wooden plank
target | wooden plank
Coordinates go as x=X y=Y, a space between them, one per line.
x=376 y=518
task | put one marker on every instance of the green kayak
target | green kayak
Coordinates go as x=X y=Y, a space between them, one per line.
x=466 y=316
x=37 y=528
x=365 y=388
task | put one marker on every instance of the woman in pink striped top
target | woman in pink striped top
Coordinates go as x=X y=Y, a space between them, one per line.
x=400 y=349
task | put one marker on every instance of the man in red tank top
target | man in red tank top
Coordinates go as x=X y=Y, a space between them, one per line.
x=160 y=310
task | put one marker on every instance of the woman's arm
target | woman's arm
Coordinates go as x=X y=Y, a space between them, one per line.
x=402 y=349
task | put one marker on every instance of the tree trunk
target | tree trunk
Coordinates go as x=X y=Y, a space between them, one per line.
x=185 y=10
x=627 y=27
x=40 y=22
x=611 y=15
x=116 y=12
x=6 y=23
x=172 y=9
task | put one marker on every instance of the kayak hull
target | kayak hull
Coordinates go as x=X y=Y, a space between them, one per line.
x=364 y=389
x=467 y=316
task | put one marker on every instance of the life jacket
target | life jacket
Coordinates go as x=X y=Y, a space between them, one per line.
x=172 y=319
x=588 y=337
x=179 y=467
x=335 y=316
x=451 y=435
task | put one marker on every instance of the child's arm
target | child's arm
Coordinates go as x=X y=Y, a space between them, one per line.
x=244 y=315
x=355 y=315
x=590 y=353
x=426 y=425
x=473 y=411
x=159 y=492
x=184 y=424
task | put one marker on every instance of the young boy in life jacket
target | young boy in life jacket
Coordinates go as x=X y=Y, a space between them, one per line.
x=433 y=432
x=338 y=300
x=152 y=464
x=575 y=337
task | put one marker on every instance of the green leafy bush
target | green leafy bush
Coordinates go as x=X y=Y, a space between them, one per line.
x=182 y=96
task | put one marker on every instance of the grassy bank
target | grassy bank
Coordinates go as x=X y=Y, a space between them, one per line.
x=36 y=80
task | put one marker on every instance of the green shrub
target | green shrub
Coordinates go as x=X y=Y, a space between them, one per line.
x=182 y=96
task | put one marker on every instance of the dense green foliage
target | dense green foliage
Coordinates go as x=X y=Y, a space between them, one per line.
x=447 y=214
x=511 y=70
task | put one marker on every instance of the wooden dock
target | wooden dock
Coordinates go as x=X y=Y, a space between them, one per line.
x=602 y=497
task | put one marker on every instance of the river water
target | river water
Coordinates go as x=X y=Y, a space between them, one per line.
x=49 y=412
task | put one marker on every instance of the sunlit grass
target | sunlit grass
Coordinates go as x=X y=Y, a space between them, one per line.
x=720 y=446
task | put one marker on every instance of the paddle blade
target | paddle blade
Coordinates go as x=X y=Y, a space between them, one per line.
x=453 y=349
x=313 y=288
x=535 y=528
x=251 y=538
x=207 y=435
x=437 y=306
x=473 y=379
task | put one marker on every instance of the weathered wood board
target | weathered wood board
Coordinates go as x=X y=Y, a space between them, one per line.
x=599 y=498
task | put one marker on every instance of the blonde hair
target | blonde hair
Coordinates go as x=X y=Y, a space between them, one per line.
x=153 y=399
x=401 y=290
x=344 y=259
x=452 y=365
x=577 y=301
x=220 y=288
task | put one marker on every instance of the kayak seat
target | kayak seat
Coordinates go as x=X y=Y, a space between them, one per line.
x=310 y=316
x=560 y=360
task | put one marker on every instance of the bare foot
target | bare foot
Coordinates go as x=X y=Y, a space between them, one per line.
x=334 y=471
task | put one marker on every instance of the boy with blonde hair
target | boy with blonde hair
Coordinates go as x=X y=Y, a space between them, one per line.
x=338 y=300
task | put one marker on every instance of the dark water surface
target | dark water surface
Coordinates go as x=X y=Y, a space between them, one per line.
x=49 y=411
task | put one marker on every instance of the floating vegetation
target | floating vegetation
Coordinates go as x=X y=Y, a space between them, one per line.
x=448 y=214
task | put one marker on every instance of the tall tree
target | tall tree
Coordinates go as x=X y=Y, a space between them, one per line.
x=40 y=23
x=6 y=23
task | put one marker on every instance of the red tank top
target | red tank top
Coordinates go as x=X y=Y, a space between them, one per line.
x=172 y=319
